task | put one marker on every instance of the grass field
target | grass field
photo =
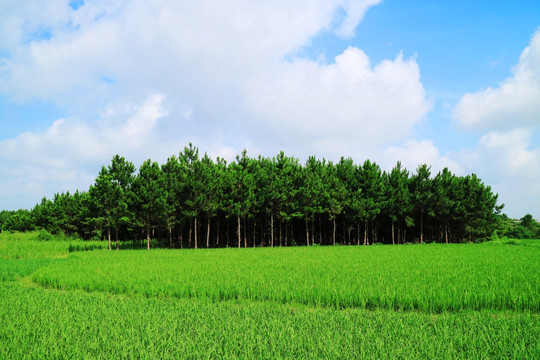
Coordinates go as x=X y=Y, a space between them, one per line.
x=32 y=246
x=409 y=301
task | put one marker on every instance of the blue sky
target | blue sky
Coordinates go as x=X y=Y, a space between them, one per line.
x=454 y=84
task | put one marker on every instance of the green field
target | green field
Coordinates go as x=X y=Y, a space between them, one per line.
x=408 y=301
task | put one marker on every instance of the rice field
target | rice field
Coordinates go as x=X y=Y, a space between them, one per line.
x=379 y=302
x=30 y=246
x=432 y=278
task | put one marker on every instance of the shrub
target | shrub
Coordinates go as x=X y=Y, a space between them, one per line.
x=44 y=235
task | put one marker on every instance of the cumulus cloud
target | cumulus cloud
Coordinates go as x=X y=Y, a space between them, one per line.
x=514 y=103
x=355 y=13
x=509 y=114
x=414 y=153
x=345 y=107
x=506 y=155
x=154 y=41
x=223 y=75
x=510 y=162
x=68 y=154
x=68 y=142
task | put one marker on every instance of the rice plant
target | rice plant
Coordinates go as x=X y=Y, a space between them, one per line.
x=39 y=323
x=431 y=278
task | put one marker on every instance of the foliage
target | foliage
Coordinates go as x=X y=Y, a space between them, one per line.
x=131 y=306
x=44 y=235
x=270 y=201
x=525 y=228
x=30 y=245
x=37 y=323
x=432 y=278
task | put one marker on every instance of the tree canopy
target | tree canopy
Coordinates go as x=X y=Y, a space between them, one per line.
x=195 y=201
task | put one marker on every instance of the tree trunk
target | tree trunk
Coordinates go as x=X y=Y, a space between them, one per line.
x=307 y=232
x=239 y=234
x=228 y=233
x=148 y=232
x=313 y=231
x=181 y=239
x=195 y=226
x=117 y=247
x=170 y=236
x=190 y=232
x=245 y=232
x=280 y=239
x=287 y=233
x=358 y=233
x=421 y=226
x=366 y=240
x=393 y=241
x=254 y=233
x=109 y=236
x=217 y=229
x=320 y=231
x=208 y=232
x=334 y=232
x=446 y=233
x=272 y=230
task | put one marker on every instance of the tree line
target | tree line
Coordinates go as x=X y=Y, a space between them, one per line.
x=193 y=201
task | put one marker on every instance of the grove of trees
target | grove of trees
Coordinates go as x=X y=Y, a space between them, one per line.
x=194 y=201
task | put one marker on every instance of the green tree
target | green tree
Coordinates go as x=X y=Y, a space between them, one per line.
x=174 y=182
x=285 y=191
x=149 y=191
x=18 y=220
x=105 y=195
x=398 y=198
x=189 y=161
x=312 y=194
x=208 y=197
x=242 y=192
x=422 y=194
x=336 y=191
x=372 y=185
x=123 y=175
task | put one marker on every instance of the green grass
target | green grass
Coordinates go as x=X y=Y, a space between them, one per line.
x=29 y=246
x=379 y=302
x=430 y=278
x=530 y=242
x=75 y=324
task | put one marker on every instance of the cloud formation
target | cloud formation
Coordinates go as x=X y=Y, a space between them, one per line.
x=514 y=103
x=346 y=107
x=414 y=153
x=508 y=116
x=509 y=162
x=68 y=155
x=143 y=79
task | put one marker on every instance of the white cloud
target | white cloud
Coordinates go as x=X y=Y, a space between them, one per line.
x=342 y=108
x=161 y=74
x=508 y=115
x=68 y=142
x=507 y=155
x=510 y=163
x=507 y=161
x=414 y=153
x=68 y=154
x=514 y=103
x=158 y=41
x=355 y=13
